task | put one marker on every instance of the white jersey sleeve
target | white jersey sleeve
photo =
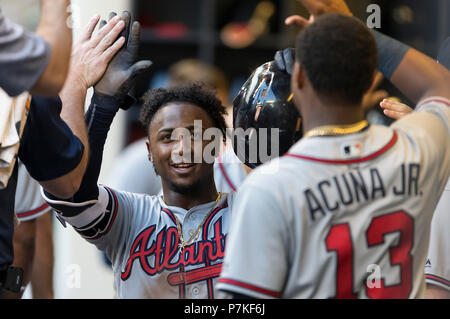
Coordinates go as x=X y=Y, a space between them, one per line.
x=107 y=221
x=429 y=127
x=437 y=267
x=29 y=203
x=257 y=226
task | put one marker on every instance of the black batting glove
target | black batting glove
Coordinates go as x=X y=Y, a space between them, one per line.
x=122 y=71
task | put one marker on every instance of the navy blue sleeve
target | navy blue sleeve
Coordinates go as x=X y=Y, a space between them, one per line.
x=99 y=118
x=48 y=147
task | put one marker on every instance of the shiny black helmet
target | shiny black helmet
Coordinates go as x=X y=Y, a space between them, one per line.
x=264 y=105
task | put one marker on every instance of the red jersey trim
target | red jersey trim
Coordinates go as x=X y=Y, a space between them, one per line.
x=111 y=222
x=250 y=287
x=224 y=173
x=171 y=215
x=438 y=279
x=32 y=212
x=349 y=161
x=426 y=101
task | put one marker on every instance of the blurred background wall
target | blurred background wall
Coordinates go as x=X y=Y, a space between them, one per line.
x=236 y=36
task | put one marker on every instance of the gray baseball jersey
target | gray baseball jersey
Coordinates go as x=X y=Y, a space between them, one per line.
x=139 y=234
x=437 y=267
x=22 y=53
x=29 y=203
x=345 y=216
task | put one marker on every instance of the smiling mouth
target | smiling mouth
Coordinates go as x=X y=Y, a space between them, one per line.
x=183 y=168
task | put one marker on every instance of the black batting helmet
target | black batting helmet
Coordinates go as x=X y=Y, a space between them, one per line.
x=265 y=102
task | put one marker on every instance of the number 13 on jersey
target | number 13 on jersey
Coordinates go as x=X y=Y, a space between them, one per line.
x=339 y=241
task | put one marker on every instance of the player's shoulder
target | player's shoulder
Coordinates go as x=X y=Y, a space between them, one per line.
x=311 y=155
x=134 y=200
x=431 y=114
x=433 y=101
x=271 y=175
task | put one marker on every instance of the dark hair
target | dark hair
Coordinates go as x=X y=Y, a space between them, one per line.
x=195 y=94
x=339 y=55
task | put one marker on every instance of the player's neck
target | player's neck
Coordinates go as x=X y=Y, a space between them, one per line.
x=189 y=200
x=320 y=114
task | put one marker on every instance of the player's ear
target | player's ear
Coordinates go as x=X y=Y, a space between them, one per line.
x=149 y=149
x=298 y=74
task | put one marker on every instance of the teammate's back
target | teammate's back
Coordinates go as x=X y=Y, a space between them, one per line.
x=357 y=225
x=347 y=213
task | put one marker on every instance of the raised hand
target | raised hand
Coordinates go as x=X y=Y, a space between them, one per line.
x=92 y=53
x=123 y=69
x=317 y=8
x=394 y=109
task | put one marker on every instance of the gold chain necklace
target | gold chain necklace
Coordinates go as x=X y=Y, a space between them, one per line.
x=194 y=236
x=332 y=130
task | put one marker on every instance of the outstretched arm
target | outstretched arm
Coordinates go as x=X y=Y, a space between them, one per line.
x=90 y=58
x=413 y=73
x=56 y=128
x=109 y=95
x=55 y=31
x=39 y=61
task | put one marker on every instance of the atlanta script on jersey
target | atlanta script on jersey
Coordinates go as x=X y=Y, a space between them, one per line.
x=139 y=234
x=346 y=216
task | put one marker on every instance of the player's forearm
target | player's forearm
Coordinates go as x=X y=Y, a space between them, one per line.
x=99 y=118
x=50 y=150
x=67 y=185
x=418 y=77
x=413 y=73
x=72 y=98
x=54 y=29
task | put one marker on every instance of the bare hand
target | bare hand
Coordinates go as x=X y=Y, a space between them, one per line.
x=394 y=109
x=317 y=8
x=92 y=53
x=374 y=96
